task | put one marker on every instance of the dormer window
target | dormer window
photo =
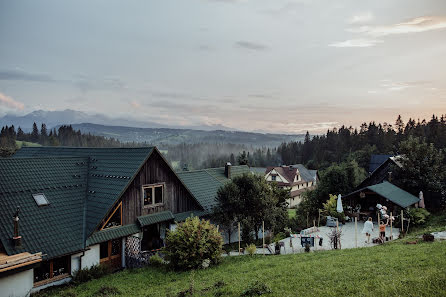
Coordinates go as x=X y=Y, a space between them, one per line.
x=273 y=177
x=40 y=199
x=153 y=195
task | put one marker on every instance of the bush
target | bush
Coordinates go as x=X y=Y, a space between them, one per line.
x=256 y=289
x=251 y=249
x=156 y=261
x=191 y=243
x=428 y=237
x=87 y=274
x=330 y=208
x=417 y=216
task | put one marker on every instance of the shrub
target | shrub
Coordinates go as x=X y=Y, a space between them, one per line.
x=156 y=261
x=307 y=248
x=257 y=288
x=192 y=242
x=330 y=208
x=279 y=236
x=251 y=249
x=428 y=237
x=93 y=272
x=417 y=216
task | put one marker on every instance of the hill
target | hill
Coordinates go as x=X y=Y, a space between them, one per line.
x=393 y=269
x=170 y=136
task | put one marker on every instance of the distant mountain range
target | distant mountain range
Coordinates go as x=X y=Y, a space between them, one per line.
x=149 y=132
x=69 y=116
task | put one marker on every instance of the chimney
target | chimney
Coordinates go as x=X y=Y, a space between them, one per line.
x=390 y=176
x=16 y=239
x=228 y=170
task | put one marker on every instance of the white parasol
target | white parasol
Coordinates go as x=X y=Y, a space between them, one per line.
x=421 y=203
x=339 y=207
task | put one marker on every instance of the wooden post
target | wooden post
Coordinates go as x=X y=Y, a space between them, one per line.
x=319 y=219
x=239 y=238
x=263 y=237
x=307 y=219
x=402 y=221
x=337 y=225
x=218 y=226
x=391 y=226
x=356 y=232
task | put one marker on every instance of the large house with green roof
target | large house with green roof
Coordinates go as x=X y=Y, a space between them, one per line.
x=78 y=207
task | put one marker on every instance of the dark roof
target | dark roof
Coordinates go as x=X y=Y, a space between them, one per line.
x=376 y=161
x=155 y=218
x=55 y=229
x=258 y=170
x=182 y=216
x=110 y=172
x=112 y=233
x=289 y=172
x=392 y=193
x=204 y=184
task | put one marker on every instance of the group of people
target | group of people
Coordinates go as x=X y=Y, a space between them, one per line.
x=369 y=228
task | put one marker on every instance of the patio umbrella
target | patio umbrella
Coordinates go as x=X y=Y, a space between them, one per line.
x=421 y=203
x=339 y=207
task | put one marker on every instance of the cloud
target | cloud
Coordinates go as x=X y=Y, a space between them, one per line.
x=24 y=76
x=10 y=103
x=361 y=18
x=360 y=42
x=251 y=45
x=370 y=34
x=416 y=25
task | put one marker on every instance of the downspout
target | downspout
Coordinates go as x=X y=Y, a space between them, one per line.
x=84 y=216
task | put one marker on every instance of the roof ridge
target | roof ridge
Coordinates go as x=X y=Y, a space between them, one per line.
x=83 y=147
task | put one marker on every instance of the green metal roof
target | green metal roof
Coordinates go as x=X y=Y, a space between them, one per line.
x=55 y=229
x=155 y=218
x=391 y=193
x=180 y=217
x=113 y=233
x=394 y=194
x=110 y=172
x=204 y=184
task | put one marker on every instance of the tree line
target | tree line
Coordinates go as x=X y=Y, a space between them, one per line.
x=64 y=136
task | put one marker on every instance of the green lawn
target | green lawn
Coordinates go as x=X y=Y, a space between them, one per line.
x=393 y=269
x=26 y=143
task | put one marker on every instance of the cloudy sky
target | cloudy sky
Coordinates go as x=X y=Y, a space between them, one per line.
x=269 y=65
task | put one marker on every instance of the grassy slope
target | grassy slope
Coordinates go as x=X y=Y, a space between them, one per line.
x=389 y=270
x=26 y=143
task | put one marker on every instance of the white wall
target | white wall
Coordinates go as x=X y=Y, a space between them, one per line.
x=18 y=284
x=90 y=258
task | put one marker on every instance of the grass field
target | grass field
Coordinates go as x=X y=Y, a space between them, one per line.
x=26 y=143
x=393 y=269
x=291 y=213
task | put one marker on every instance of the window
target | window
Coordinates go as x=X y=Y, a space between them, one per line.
x=52 y=270
x=110 y=251
x=40 y=199
x=115 y=219
x=153 y=195
x=273 y=177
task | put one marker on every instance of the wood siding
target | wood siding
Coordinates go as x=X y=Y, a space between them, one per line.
x=176 y=198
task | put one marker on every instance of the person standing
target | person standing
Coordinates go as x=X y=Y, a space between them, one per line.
x=368 y=229
x=382 y=230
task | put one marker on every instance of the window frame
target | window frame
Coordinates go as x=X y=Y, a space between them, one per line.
x=53 y=278
x=153 y=186
x=44 y=197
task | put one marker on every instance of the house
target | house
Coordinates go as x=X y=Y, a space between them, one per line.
x=378 y=188
x=296 y=178
x=62 y=209
x=376 y=161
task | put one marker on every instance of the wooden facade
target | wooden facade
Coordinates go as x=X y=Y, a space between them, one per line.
x=176 y=198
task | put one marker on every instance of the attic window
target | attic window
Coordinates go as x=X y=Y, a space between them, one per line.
x=40 y=199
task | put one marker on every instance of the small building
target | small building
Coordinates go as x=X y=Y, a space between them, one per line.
x=297 y=178
x=79 y=207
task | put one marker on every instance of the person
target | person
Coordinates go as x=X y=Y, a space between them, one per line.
x=368 y=229
x=382 y=230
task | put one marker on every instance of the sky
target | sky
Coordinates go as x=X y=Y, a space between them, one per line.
x=254 y=65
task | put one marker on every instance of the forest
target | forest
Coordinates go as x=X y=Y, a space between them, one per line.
x=316 y=151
